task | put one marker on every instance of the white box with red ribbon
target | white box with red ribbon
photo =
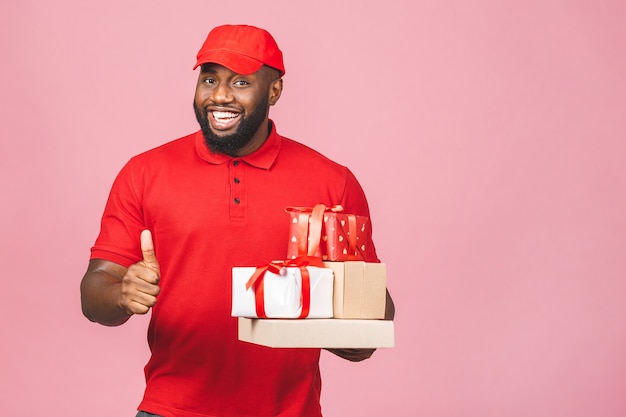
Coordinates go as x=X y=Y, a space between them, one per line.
x=299 y=288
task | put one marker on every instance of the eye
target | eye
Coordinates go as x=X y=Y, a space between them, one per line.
x=208 y=80
x=241 y=83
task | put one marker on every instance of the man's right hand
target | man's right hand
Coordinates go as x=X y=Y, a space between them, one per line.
x=140 y=284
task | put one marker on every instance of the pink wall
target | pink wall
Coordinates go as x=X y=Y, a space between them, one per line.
x=489 y=138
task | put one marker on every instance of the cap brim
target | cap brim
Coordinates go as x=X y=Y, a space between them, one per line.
x=238 y=63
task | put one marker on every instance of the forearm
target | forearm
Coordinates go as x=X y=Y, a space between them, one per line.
x=100 y=295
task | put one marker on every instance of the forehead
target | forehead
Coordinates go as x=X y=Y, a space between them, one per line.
x=213 y=68
x=263 y=72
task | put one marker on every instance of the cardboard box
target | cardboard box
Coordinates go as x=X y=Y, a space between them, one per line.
x=360 y=289
x=283 y=293
x=317 y=333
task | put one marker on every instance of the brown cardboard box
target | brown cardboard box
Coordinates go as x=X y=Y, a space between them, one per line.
x=317 y=333
x=359 y=289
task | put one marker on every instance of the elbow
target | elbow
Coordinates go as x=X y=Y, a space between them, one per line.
x=95 y=307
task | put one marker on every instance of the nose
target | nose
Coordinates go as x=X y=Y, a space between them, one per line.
x=221 y=93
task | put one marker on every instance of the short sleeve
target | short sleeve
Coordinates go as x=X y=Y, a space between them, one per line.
x=122 y=221
x=354 y=201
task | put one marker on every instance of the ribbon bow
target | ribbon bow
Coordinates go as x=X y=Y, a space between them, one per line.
x=276 y=267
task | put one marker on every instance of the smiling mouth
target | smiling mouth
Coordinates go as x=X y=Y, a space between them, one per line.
x=224 y=115
x=224 y=119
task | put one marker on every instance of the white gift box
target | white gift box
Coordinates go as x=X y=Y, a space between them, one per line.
x=283 y=293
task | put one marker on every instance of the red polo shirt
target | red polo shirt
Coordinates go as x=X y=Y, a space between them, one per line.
x=209 y=212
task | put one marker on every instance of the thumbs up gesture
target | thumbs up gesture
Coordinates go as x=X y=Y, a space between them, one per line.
x=140 y=284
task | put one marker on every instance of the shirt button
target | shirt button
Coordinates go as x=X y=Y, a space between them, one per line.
x=237 y=180
x=237 y=201
x=235 y=163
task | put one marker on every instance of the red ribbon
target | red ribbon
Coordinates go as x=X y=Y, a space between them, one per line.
x=309 y=232
x=256 y=281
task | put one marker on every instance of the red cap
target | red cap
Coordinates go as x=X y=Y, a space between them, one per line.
x=241 y=48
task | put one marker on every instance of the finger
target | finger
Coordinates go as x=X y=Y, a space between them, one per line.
x=145 y=299
x=147 y=249
x=148 y=285
x=138 y=308
x=141 y=276
x=138 y=295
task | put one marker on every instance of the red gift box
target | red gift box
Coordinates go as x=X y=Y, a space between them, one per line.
x=327 y=232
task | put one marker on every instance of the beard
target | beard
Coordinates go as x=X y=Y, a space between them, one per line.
x=231 y=144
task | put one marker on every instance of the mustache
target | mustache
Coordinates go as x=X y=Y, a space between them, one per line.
x=222 y=107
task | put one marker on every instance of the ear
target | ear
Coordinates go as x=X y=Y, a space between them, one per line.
x=275 y=90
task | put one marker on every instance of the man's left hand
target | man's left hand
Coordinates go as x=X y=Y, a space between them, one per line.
x=353 y=355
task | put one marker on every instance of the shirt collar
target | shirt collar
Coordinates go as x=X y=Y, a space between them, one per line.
x=262 y=158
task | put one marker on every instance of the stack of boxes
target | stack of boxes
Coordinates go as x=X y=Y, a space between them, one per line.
x=326 y=278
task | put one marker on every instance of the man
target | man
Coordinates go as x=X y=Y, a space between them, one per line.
x=180 y=216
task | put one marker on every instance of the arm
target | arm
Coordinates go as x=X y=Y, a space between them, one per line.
x=354 y=201
x=111 y=293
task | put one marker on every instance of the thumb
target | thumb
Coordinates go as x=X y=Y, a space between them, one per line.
x=147 y=249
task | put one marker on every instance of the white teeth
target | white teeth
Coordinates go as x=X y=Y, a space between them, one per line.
x=224 y=115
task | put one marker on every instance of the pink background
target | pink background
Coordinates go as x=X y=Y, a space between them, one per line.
x=488 y=135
